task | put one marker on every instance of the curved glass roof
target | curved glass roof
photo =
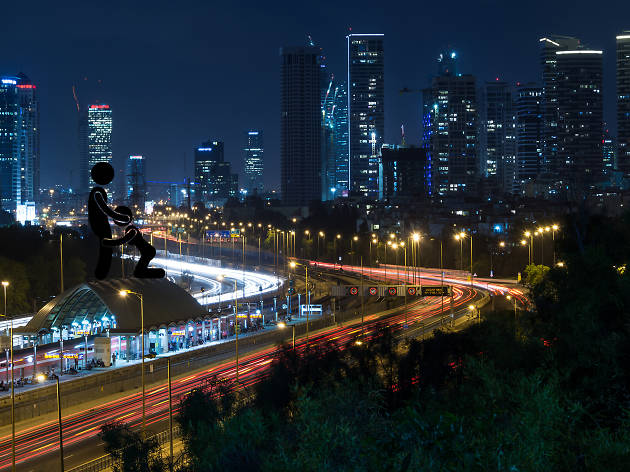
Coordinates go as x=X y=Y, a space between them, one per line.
x=82 y=305
x=93 y=303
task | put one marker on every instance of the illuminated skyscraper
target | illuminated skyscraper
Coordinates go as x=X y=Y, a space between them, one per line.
x=623 y=101
x=19 y=145
x=498 y=143
x=549 y=65
x=609 y=152
x=366 y=111
x=572 y=113
x=300 y=125
x=136 y=182
x=95 y=139
x=450 y=131
x=327 y=140
x=529 y=132
x=213 y=175
x=254 y=163
x=335 y=140
x=580 y=118
x=340 y=138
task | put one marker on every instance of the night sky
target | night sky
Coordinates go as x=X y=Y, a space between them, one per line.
x=178 y=73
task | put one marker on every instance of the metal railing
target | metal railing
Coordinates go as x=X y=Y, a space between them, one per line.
x=106 y=461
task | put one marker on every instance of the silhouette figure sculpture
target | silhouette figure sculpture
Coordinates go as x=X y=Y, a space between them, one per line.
x=134 y=237
x=99 y=213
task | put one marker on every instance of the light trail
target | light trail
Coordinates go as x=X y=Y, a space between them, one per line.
x=40 y=440
x=253 y=283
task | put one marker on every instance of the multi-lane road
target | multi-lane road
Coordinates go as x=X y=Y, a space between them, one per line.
x=37 y=445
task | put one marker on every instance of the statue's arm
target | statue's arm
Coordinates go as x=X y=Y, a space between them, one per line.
x=129 y=235
x=104 y=207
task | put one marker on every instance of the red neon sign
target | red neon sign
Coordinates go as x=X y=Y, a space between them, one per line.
x=26 y=86
x=101 y=107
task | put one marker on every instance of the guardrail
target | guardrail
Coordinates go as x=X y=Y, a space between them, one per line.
x=106 y=461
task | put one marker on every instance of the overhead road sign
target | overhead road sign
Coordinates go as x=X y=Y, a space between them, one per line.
x=391 y=290
x=437 y=291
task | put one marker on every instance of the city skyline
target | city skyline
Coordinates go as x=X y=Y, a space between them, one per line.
x=133 y=98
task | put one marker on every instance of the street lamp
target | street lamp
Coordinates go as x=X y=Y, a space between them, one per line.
x=41 y=378
x=415 y=237
x=220 y=278
x=459 y=238
x=5 y=284
x=293 y=265
x=529 y=252
x=283 y=325
x=321 y=234
x=554 y=228
x=373 y=241
x=501 y=245
x=530 y=235
x=541 y=232
x=236 y=324
x=124 y=293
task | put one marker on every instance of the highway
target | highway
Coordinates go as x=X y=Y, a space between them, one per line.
x=250 y=283
x=37 y=445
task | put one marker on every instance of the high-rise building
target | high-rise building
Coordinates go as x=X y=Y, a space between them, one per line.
x=253 y=161
x=529 y=132
x=623 y=101
x=366 y=111
x=403 y=173
x=548 y=59
x=95 y=140
x=207 y=156
x=19 y=145
x=327 y=140
x=136 y=182
x=340 y=139
x=609 y=152
x=580 y=117
x=177 y=194
x=9 y=111
x=450 y=131
x=498 y=143
x=213 y=176
x=300 y=125
x=334 y=139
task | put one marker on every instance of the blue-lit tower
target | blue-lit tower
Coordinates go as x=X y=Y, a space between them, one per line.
x=340 y=139
x=136 y=190
x=19 y=146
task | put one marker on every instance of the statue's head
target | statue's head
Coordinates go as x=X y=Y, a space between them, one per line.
x=102 y=173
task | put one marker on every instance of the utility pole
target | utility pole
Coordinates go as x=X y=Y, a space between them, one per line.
x=61 y=260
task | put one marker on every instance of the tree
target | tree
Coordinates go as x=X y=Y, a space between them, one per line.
x=131 y=452
x=535 y=274
x=15 y=273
